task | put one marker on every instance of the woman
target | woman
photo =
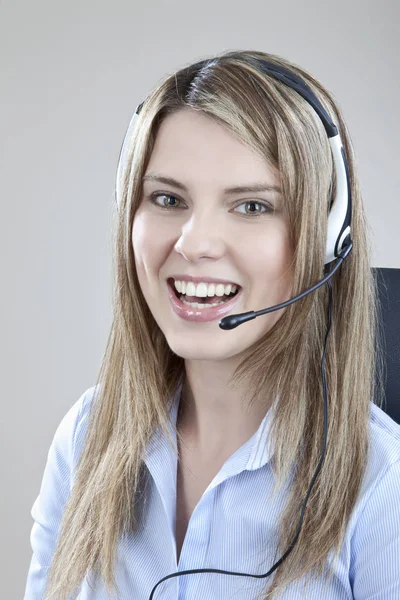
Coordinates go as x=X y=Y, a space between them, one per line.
x=197 y=446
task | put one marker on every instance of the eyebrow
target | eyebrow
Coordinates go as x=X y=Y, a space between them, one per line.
x=241 y=189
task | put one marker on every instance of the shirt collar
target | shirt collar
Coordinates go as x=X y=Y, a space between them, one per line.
x=161 y=459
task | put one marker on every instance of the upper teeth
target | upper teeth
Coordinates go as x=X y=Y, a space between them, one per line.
x=204 y=289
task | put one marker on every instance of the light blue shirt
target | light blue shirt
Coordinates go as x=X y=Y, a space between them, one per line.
x=233 y=527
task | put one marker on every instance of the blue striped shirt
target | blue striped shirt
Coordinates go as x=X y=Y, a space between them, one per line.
x=233 y=527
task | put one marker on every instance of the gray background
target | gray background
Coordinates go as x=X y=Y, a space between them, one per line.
x=71 y=75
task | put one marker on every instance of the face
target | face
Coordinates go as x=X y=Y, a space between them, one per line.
x=197 y=228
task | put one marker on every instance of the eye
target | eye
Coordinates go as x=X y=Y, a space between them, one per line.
x=268 y=208
x=154 y=197
x=157 y=195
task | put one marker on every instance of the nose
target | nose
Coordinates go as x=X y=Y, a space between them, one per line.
x=201 y=237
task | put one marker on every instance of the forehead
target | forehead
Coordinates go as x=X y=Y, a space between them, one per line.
x=191 y=144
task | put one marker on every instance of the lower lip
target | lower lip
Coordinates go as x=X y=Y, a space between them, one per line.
x=201 y=315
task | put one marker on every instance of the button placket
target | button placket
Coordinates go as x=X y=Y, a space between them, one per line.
x=196 y=543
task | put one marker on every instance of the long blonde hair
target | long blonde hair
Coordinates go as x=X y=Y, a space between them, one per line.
x=139 y=371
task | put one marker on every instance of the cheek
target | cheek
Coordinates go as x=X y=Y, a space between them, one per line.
x=143 y=245
x=141 y=230
x=148 y=244
x=147 y=231
x=270 y=261
x=272 y=247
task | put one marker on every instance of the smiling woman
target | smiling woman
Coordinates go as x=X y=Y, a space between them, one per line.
x=183 y=472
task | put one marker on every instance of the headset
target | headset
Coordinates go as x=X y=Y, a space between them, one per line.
x=338 y=247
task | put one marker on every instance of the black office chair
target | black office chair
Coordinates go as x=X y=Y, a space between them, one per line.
x=388 y=281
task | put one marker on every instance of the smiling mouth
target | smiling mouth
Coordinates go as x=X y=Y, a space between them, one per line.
x=202 y=299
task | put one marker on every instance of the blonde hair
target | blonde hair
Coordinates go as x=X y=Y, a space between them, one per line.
x=139 y=371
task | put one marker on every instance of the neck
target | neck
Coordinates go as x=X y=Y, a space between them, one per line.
x=215 y=423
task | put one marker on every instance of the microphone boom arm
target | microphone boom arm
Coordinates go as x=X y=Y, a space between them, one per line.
x=232 y=321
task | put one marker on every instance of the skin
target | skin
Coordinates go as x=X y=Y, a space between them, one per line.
x=205 y=232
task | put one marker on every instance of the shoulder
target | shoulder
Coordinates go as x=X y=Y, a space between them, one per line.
x=56 y=485
x=68 y=439
x=375 y=529
x=382 y=473
x=80 y=413
x=384 y=441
